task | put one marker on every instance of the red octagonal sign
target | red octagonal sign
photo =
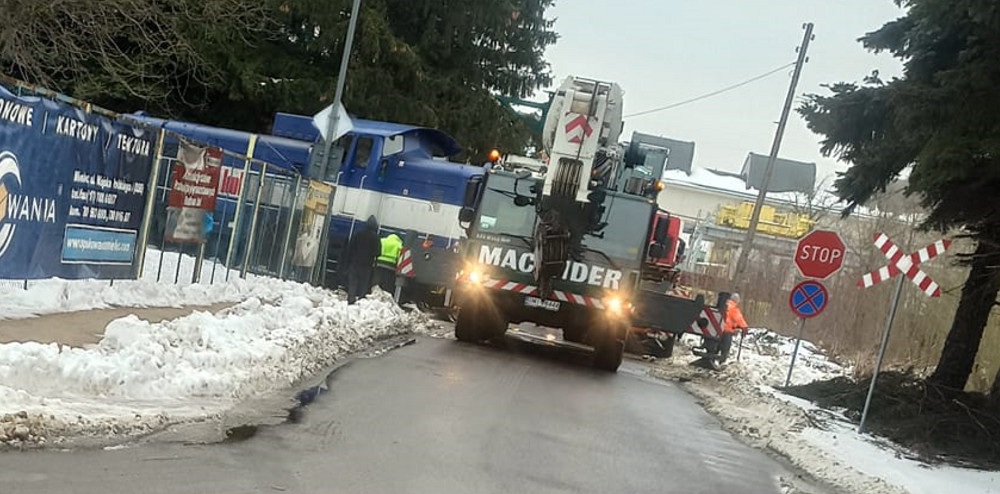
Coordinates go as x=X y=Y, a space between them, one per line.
x=819 y=254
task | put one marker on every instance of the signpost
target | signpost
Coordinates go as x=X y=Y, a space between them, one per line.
x=817 y=255
x=807 y=300
x=906 y=265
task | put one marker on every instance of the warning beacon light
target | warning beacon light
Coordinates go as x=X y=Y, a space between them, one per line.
x=494 y=155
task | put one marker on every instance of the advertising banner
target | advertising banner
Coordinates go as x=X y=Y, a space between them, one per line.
x=193 y=188
x=317 y=201
x=72 y=190
x=229 y=182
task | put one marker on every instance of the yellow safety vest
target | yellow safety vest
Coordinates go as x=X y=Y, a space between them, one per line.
x=391 y=246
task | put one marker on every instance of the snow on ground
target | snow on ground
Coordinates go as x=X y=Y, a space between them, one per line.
x=142 y=377
x=744 y=396
x=52 y=296
x=842 y=441
x=766 y=356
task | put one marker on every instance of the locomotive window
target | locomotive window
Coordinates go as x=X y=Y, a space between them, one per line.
x=362 y=151
x=338 y=154
x=392 y=145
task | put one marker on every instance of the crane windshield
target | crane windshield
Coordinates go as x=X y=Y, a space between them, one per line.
x=499 y=215
x=625 y=235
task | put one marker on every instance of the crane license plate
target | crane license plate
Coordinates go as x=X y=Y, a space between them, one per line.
x=536 y=302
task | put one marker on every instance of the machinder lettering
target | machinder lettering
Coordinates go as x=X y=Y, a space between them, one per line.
x=576 y=272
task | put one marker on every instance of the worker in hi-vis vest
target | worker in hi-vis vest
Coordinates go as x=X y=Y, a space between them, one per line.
x=385 y=271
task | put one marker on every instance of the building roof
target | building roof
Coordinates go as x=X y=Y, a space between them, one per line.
x=701 y=178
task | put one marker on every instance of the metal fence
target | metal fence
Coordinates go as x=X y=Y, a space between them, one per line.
x=268 y=219
x=256 y=226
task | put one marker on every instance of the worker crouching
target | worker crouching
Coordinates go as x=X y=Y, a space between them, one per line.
x=733 y=321
x=715 y=352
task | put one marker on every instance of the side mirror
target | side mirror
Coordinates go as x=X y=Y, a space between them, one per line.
x=518 y=176
x=521 y=201
x=660 y=231
x=466 y=214
x=472 y=192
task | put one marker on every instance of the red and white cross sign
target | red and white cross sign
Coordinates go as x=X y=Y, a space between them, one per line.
x=905 y=264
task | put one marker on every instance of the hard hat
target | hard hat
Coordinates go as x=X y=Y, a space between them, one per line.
x=735 y=297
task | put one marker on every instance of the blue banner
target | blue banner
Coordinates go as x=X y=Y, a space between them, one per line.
x=72 y=191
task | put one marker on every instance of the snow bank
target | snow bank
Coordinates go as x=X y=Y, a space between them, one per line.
x=56 y=295
x=744 y=396
x=766 y=357
x=841 y=440
x=143 y=376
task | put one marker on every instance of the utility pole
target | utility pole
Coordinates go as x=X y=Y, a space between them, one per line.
x=741 y=263
x=333 y=122
x=341 y=80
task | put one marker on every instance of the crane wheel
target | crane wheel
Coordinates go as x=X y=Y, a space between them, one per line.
x=609 y=347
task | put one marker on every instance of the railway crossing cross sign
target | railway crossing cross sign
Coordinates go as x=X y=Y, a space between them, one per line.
x=905 y=265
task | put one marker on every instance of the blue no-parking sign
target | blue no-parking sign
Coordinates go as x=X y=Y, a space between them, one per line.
x=808 y=299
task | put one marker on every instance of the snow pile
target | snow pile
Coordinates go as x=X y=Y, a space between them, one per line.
x=842 y=441
x=766 y=357
x=143 y=376
x=55 y=295
x=744 y=396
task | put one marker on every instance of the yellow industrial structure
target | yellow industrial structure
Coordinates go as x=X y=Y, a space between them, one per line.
x=787 y=224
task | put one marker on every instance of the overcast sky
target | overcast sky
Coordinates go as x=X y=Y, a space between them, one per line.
x=665 y=51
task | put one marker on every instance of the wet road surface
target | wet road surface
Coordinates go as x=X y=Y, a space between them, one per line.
x=443 y=417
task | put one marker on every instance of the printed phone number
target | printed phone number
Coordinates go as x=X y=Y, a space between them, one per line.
x=100 y=214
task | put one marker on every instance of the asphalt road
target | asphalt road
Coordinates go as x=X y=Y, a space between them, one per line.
x=443 y=417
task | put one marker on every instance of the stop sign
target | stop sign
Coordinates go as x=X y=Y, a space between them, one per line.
x=819 y=254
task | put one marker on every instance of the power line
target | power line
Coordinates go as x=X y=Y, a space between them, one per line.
x=713 y=93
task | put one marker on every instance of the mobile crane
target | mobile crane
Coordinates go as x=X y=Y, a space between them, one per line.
x=571 y=243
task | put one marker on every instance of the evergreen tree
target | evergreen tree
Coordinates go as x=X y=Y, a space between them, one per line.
x=939 y=121
x=234 y=63
x=149 y=51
